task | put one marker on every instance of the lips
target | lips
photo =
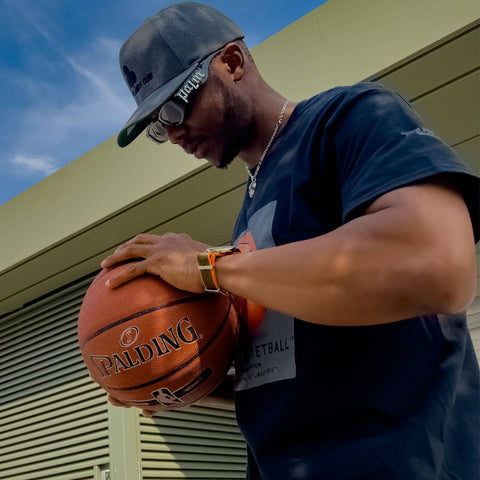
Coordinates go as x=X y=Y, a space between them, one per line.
x=187 y=147
x=195 y=147
x=200 y=150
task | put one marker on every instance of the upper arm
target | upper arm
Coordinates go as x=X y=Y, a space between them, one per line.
x=433 y=220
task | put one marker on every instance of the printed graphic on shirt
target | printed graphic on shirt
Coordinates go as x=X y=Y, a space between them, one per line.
x=420 y=131
x=269 y=354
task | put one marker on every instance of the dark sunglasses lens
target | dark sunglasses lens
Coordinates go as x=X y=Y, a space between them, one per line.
x=156 y=132
x=171 y=114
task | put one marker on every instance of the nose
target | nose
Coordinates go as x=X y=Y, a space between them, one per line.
x=175 y=133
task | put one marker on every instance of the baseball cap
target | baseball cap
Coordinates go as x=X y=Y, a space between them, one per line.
x=160 y=56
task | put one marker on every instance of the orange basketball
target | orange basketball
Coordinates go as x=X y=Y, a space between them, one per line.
x=153 y=346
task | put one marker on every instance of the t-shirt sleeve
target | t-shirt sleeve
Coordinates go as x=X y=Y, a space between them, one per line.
x=381 y=144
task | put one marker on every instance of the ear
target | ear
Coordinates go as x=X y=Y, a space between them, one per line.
x=234 y=61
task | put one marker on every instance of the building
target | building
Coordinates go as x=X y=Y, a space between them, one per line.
x=55 y=424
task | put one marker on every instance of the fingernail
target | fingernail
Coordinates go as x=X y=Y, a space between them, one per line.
x=107 y=283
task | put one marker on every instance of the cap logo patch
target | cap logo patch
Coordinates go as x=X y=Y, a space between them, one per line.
x=192 y=83
x=130 y=76
x=132 y=80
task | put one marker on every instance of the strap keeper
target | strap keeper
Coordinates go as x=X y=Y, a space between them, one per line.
x=206 y=265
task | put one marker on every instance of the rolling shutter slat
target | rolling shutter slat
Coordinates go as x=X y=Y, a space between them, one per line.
x=53 y=418
x=198 y=442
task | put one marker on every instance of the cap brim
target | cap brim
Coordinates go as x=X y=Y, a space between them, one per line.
x=139 y=120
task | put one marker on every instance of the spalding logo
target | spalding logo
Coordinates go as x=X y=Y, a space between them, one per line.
x=162 y=344
x=129 y=336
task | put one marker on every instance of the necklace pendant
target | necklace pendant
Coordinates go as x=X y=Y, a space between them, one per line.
x=253 y=176
x=251 y=189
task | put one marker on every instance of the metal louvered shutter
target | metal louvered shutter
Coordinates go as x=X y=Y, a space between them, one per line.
x=53 y=418
x=199 y=442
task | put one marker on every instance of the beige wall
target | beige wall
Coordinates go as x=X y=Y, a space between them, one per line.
x=346 y=41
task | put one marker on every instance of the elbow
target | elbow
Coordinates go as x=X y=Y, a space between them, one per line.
x=455 y=301
x=452 y=283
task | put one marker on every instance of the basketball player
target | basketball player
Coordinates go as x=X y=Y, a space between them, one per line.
x=356 y=233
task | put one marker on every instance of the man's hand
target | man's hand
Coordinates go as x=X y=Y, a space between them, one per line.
x=172 y=257
x=117 y=403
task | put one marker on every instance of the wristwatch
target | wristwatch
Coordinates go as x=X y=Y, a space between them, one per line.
x=206 y=265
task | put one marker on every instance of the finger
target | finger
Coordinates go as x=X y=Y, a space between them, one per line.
x=141 y=238
x=134 y=270
x=148 y=413
x=117 y=403
x=128 y=252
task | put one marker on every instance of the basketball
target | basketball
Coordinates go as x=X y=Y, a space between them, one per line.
x=153 y=346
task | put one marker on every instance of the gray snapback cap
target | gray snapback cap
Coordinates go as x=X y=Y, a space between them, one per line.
x=160 y=55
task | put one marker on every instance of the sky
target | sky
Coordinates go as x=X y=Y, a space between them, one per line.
x=62 y=93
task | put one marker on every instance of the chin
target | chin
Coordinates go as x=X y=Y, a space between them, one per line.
x=227 y=156
x=221 y=162
x=224 y=163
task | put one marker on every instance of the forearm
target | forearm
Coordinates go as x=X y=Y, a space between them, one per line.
x=378 y=268
x=331 y=280
x=412 y=253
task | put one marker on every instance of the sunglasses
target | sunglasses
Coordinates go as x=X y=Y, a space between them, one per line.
x=177 y=108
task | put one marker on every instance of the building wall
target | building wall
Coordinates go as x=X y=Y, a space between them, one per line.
x=54 y=235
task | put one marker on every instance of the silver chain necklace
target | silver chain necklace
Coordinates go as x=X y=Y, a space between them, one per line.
x=253 y=176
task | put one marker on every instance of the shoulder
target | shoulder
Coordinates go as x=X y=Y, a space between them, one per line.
x=366 y=97
x=348 y=92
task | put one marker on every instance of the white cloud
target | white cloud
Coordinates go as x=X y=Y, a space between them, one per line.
x=27 y=165
x=99 y=67
x=96 y=108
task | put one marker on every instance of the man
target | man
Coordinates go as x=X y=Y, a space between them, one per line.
x=356 y=235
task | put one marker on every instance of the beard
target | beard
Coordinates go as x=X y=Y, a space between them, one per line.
x=238 y=128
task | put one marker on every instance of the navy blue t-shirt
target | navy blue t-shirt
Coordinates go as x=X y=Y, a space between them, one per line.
x=397 y=401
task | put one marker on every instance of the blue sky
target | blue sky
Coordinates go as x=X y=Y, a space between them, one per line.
x=61 y=90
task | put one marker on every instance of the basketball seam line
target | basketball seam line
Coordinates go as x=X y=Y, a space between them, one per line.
x=183 y=365
x=140 y=314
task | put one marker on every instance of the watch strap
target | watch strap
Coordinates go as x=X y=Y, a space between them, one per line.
x=206 y=265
